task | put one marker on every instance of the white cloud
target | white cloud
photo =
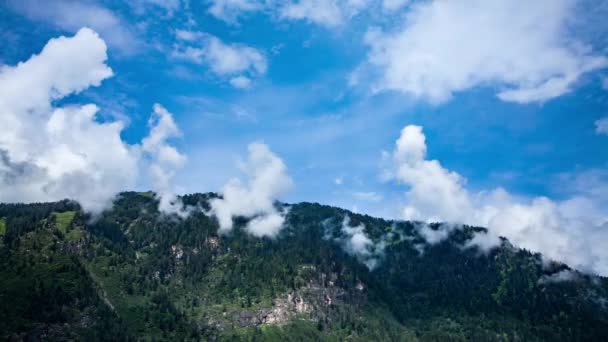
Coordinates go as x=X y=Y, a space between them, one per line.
x=230 y=10
x=358 y=244
x=561 y=276
x=54 y=153
x=266 y=225
x=601 y=126
x=189 y=36
x=237 y=61
x=267 y=179
x=433 y=236
x=49 y=153
x=323 y=12
x=573 y=230
x=523 y=48
x=240 y=82
x=329 y=13
x=164 y=160
x=393 y=5
x=431 y=184
x=71 y=15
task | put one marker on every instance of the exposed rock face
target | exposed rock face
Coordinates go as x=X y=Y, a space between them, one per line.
x=316 y=301
x=313 y=300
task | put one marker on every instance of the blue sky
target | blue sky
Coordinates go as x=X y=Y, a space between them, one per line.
x=330 y=132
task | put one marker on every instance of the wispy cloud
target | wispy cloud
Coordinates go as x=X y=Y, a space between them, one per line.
x=70 y=15
x=237 y=62
x=601 y=126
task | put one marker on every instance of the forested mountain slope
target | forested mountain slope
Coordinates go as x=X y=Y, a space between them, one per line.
x=134 y=274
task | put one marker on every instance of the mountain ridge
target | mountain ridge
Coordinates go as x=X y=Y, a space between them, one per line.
x=136 y=274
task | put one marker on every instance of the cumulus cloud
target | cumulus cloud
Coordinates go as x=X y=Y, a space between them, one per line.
x=54 y=153
x=163 y=159
x=601 y=126
x=572 y=230
x=48 y=153
x=255 y=199
x=71 y=15
x=238 y=62
x=523 y=48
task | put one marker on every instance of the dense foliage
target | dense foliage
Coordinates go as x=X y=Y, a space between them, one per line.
x=134 y=274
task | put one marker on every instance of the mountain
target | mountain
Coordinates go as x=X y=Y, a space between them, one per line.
x=330 y=274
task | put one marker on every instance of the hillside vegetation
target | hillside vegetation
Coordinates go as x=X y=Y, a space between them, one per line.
x=134 y=274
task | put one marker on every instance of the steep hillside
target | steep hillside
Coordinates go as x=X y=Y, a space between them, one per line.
x=133 y=274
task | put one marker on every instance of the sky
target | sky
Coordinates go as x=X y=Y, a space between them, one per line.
x=481 y=112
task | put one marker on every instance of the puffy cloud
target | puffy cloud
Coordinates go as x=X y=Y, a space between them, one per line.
x=71 y=15
x=601 y=126
x=430 y=182
x=163 y=159
x=54 y=153
x=523 y=48
x=237 y=61
x=49 y=153
x=573 y=230
x=267 y=179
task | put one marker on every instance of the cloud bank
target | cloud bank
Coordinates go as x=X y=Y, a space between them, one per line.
x=573 y=230
x=48 y=153
x=523 y=48
x=255 y=199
